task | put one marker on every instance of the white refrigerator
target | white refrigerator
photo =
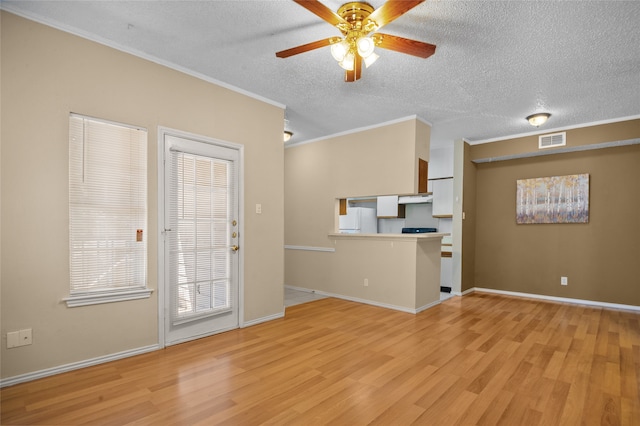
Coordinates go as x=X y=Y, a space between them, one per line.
x=359 y=220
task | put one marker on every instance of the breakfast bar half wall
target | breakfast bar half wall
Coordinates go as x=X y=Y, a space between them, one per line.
x=395 y=271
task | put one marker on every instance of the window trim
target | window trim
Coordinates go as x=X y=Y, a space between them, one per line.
x=95 y=297
x=99 y=297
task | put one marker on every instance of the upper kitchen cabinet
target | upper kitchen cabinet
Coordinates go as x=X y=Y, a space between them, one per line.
x=442 y=197
x=441 y=163
x=388 y=207
x=423 y=176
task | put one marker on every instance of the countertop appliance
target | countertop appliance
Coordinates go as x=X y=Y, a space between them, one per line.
x=418 y=230
x=359 y=220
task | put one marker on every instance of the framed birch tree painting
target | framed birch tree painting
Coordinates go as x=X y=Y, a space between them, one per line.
x=556 y=199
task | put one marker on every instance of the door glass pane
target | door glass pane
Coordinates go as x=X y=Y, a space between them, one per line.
x=200 y=256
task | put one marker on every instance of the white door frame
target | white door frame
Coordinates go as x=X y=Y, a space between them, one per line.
x=161 y=234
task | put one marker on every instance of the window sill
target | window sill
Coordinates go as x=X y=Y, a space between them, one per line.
x=97 y=298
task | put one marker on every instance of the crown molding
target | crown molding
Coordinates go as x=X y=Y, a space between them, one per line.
x=125 y=49
x=359 y=129
x=554 y=130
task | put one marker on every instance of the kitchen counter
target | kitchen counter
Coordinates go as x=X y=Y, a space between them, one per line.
x=417 y=237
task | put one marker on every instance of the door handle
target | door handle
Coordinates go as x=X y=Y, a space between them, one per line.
x=234 y=248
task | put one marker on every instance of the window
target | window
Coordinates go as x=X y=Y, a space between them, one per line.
x=107 y=212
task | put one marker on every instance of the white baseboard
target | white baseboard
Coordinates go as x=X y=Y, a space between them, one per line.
x=263 y=319
x=467 y=291
x=427 y=306
x=557 y=299
x=366 y=301
x=76 y=366
x=306 y=290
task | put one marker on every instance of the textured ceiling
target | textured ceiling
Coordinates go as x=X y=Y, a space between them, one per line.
x=496 y=61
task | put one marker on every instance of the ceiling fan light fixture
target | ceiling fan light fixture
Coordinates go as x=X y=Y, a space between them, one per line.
x=356 y=20
x=339 y=50
x=369 y=60
x=538 y=119
x=365 y=46
x=348 y=62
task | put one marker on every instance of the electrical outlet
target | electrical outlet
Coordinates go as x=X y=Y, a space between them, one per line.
x=258 y=208
x=564 y=280
x=366 y=282
x=25 y=337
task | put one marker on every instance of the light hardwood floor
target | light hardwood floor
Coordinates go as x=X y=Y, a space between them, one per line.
x=480 y=359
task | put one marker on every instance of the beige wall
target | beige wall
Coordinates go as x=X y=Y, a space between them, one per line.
x=427 y=269
x=600 y=258
x=357 y=259
x=379 y=161
x=46 y=74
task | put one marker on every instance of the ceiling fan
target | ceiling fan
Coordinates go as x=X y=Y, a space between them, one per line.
x=357 y=21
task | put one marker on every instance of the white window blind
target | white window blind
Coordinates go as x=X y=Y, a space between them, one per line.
x=200 y=218
x=107 y=211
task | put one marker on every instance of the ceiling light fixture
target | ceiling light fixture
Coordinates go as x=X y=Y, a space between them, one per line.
x=359 y=22
x=538 y=119
x=371 y=59
x=353 y=47
x=339 y=50
x=348 y=62
x=287 y=135
x=365 y=46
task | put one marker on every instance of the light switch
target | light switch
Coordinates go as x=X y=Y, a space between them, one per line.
x=13 y=339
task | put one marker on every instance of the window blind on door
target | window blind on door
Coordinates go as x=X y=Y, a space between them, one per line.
x=107 y=206
x=201 y=191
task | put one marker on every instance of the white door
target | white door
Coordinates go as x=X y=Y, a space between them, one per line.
x=200 y=238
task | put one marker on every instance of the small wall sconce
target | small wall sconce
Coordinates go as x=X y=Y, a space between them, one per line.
x=538 y=119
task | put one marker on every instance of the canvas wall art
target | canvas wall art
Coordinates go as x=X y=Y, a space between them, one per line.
x=556 y=199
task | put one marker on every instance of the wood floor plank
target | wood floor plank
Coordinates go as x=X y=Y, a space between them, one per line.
x=480 y=359
x=516 y=411
x=494 y=411
x=398 y=391
x=400 y=414
x=630 y=411
x=555 y=403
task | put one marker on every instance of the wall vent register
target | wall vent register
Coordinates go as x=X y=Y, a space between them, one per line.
x=552 y=140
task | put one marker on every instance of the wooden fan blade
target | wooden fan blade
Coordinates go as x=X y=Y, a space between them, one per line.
x=306 y=47
x=389 y=11
x=314 y=6
x=351 y=76
x=404 y=45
